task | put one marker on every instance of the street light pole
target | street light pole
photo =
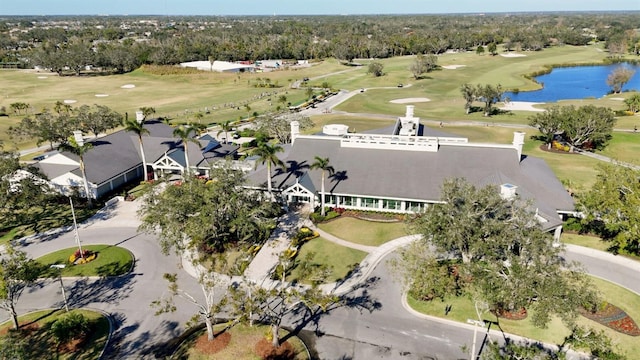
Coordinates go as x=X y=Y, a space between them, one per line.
x=75 y=228
x=64 y=294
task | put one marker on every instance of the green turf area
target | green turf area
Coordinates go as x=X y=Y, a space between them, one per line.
x=41 y=344
x=364 y=232
x=462 y=308
x=624 y=147
x=340 y=258
x=38 y=219
x=592 y=242
x=111 y=261
x=443 y=86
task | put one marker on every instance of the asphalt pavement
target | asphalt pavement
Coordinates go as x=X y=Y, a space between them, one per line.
x=372 y=323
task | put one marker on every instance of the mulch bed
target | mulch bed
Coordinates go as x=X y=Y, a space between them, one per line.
x=204 y=346
x=513 y=315
x=615 y=318
x=372 y=216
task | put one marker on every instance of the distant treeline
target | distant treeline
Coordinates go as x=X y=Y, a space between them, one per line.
x=121 y=44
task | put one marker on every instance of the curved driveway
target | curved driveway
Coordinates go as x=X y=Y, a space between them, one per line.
x=353 y=331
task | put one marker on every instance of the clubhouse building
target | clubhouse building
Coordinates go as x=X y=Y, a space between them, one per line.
x=401 y=169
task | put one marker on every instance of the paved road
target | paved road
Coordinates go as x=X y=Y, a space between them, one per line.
x=127 y=299
x=387 y=331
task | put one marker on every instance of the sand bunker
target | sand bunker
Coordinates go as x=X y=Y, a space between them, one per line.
x=128 y=86
x=512 y=55
x=102 y=95
x=409 y=100
x=42 y=77
x=452 y=67
x=70 y=101
x=521 y=105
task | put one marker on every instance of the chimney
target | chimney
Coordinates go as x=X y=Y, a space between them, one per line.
x=139 y=116
x=508 y=191
x=518 y=141
x=295 y=131
x=409 y=113
x=77 y=136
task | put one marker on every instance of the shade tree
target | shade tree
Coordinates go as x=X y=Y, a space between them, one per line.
x=619 y=77
x=586 y=126
x=97 y=119
x=612 y=203
x=45 y=127
x=17 y=271
x=207 y=217
x=423 y=64
x=375 y=68
x=278 y=125
x=501 y=256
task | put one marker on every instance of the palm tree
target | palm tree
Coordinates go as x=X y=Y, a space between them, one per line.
x=79 y=149
x=225 y=127
x=184 y=133
x=267 y=153
x=322 y=164
x=138 y=128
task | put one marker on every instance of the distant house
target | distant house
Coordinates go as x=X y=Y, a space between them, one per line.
x=389 y=172
x=115 y=160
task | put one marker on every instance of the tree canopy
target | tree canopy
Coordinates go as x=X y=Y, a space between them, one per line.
x=613 y=202
x=586 y=126
x=207 y=216
x=497 y=253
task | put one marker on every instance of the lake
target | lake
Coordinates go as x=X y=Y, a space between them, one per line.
x=576 y=82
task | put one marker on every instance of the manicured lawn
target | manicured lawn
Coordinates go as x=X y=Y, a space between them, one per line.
x=111 y=261
x=341 y=259
x=592 y=242
x=41 y=344
x=241 y=345
x=443 y=86
x=356 y=123
x=463 y=308
x=624 y=147
x=364 y=232
x=42 y=218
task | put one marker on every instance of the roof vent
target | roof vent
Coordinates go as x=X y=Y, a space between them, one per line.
x=508 y=191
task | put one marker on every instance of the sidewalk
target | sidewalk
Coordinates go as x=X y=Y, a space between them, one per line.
x=268 y=256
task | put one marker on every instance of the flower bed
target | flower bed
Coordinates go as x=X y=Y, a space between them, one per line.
x=86 y=256
x=613 y=317
x=303 y=235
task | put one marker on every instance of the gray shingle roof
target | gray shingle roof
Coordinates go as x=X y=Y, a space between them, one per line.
x=419 y=175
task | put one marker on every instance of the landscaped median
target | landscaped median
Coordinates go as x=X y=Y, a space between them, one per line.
x=462 y=308
x=97 y=260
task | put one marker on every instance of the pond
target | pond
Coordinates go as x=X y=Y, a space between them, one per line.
x=576 y=82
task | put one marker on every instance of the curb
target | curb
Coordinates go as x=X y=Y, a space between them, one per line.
x=490 y=332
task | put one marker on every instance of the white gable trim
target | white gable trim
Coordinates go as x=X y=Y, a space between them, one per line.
x=165 y=162
x=59 y=159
